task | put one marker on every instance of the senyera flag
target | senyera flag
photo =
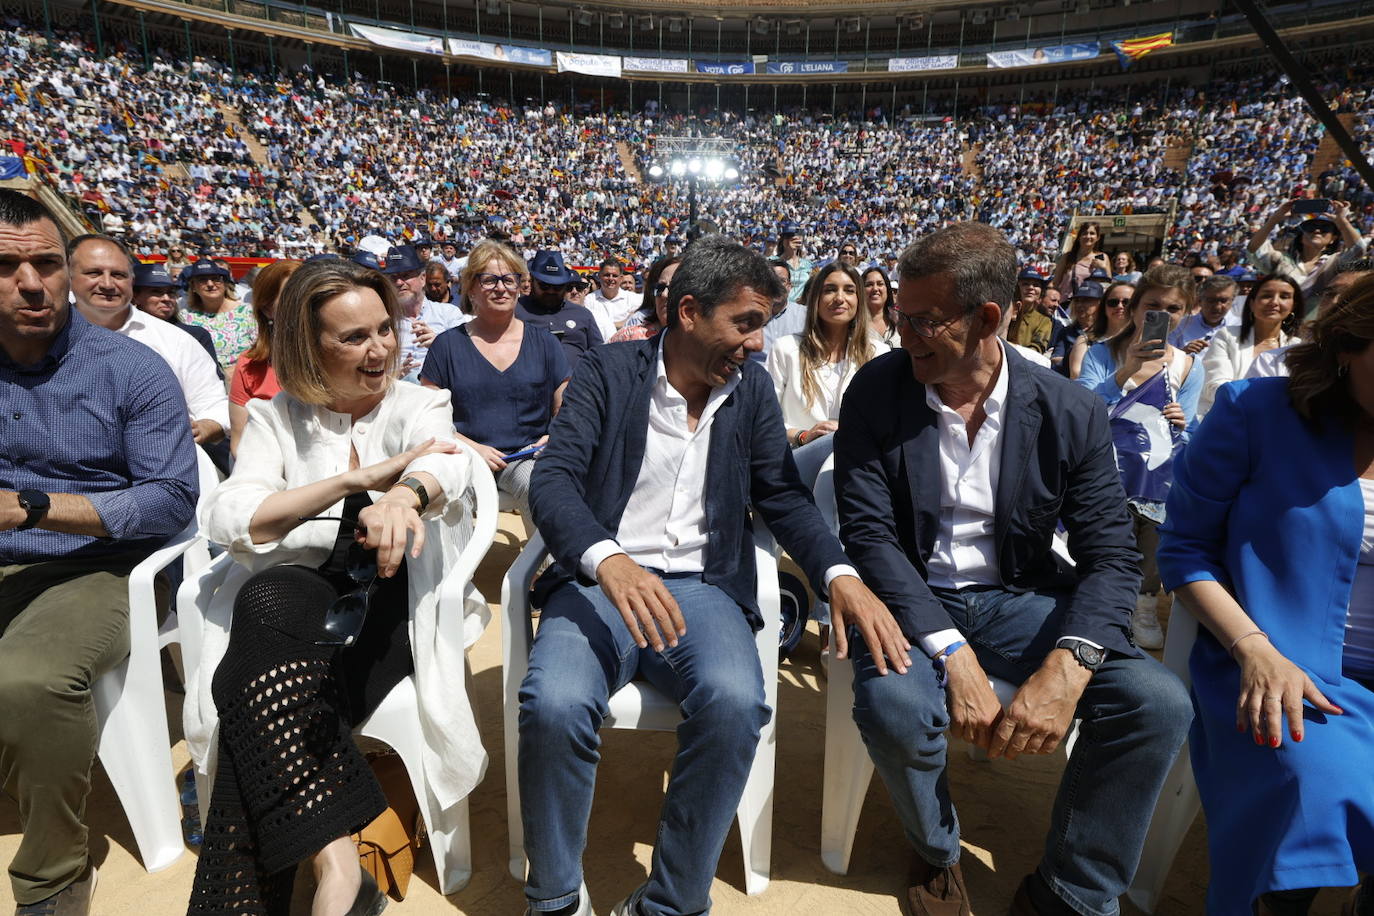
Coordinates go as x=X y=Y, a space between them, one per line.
x=1145 y=440
x=1132 y=49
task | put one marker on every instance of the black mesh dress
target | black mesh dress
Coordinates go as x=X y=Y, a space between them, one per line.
x=290 y=779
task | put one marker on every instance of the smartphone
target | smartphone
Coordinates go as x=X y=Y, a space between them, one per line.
x=1155 y=328
x=1320 y=205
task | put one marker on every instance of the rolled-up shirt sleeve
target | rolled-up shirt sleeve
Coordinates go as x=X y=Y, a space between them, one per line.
x=161 y=459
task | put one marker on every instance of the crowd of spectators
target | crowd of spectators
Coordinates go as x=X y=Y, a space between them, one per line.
x=165 y=164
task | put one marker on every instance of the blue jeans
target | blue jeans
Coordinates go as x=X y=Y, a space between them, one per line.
x=581 y=655
x=1134 y=717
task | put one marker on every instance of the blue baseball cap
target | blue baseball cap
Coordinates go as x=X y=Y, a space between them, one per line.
x=323 y=256
x=402 y=259
x=206 y=268
x=367 y=259
x=788 y=229
x=1089 y=289
x=1030 y=273
x=153 y=276
x=548 y=267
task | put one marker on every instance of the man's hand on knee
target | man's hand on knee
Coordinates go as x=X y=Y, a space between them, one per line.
x=1040 y=714
x=973 y=708
x=649 y=610
x=851 y=602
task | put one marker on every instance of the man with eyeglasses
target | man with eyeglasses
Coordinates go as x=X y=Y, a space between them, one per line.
x=1215 y=297
x=547 y=307
x=1275 y=362
x=948 y=506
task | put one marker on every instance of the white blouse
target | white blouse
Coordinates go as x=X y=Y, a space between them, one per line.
x=832 y=379
x=1226 y=359
x=1359 y=616
x=288 y=444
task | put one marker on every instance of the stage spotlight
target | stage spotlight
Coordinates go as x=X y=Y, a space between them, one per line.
x=694 y=166
x=732 y=174
x=655 y=171
x=714 y=169
x=678 y=167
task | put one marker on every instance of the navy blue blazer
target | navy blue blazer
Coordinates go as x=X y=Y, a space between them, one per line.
x=583 y=479
x=1057 y=464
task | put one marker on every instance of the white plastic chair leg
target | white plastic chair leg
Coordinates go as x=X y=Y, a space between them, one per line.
x=848 y=772
x=135 y=750
x=1178 y=807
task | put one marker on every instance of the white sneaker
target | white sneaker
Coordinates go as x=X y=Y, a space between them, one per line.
x=584 y=905
x=1145 y=624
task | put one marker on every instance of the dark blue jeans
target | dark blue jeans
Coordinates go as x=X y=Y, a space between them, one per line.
x=581 y=655
x=1134 y=717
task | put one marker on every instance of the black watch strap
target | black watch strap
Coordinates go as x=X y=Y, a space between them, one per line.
x=412 y=483
x=1084 y=652
x=35 y=503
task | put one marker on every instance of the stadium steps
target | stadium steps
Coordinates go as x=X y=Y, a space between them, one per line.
x=781 y=180
x=1328 y=153
x=627 y=161
x=969 y=160
x=1176 y=156
x=259 y=154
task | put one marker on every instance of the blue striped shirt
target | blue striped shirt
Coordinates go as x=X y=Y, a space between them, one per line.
x=102 y=416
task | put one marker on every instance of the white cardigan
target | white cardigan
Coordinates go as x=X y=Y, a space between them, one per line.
x=288 y=444
x=1226 y=359
x=784 y=365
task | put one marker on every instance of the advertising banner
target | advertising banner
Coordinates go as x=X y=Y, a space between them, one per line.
x=725 y=67
x=656 y=64
x=808 y=66
x=1058 y=54
x=590 y=64
x=933 y=62
x=485 y=50
x=401 y=41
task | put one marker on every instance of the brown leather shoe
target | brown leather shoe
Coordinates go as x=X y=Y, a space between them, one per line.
x=935 y=891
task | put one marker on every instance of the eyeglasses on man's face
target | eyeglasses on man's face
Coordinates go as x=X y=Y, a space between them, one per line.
x=490 y=282
x=922 y=326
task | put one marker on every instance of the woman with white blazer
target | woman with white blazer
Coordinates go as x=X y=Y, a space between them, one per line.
x=1271 y=318
x=325 y=609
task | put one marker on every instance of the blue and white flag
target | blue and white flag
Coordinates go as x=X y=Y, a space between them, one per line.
x=1145 y=440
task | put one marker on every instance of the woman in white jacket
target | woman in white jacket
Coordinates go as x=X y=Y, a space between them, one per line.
x=1271 y=319
x=329 y=609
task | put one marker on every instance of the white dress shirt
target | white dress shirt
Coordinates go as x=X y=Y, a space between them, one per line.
x=612 y=312
x=664 y=523
x=965 y=552
x=206 y=398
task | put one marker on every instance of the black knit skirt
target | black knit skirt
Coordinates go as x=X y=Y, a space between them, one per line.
x=290 y=779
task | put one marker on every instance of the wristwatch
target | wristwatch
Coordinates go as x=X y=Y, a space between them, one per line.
x=35 y=503
x=1084 y=652
x=414 y=485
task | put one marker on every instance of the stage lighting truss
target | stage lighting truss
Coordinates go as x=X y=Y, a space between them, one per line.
x=708 y=159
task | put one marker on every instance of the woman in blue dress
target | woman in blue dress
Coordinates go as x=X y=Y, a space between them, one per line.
x=506 y=376
x=1269 y=542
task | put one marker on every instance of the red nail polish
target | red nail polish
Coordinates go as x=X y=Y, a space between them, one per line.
x=1297 y=737
x=1274 y=742
x=1259 y=742
x=1240 y=728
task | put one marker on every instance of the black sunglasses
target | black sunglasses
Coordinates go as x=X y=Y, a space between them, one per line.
x=344 y=619
x=660 y=289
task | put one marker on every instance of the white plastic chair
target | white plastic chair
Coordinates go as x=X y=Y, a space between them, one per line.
x=135 y=744
x=848 y=768
x=640 y=706
x=396 y=720
x=1179 y=803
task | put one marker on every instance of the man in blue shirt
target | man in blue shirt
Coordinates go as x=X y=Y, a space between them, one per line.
x=97 y=468
x=573 y=325
x=1215 y=296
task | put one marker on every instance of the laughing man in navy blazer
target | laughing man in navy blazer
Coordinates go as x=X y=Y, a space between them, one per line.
x=955 y=460
x=642 y=496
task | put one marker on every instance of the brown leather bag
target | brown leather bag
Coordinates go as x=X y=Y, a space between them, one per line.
x=386 y=847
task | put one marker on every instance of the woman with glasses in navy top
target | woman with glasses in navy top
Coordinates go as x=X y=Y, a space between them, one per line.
x=506 y=375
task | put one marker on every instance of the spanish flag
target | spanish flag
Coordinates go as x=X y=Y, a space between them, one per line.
x=1132 y=49
x=20 y=94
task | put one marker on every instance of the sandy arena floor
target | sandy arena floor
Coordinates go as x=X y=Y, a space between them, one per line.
x=1004 y=808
